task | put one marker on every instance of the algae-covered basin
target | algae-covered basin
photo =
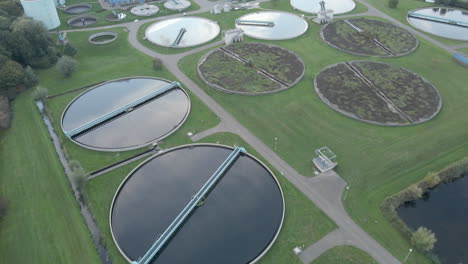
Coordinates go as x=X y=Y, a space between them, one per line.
x=237 y=223
x=136 y=127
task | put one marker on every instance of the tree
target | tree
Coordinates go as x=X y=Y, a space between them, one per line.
x=78 y=174
x=40 y=93
x=66 y=66
x=69 y=50
x=423 y=239
x=11 y=75
x=392 y=3
x=157 y=64
x=12 y=8
x=30 y=79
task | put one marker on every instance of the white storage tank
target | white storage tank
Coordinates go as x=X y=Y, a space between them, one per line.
x=42 y=10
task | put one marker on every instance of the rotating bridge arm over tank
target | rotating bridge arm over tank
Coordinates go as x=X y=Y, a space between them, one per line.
x=189 y=208
x=438 y=19
x=179 y=37
x=255 y=23
x=121 y=110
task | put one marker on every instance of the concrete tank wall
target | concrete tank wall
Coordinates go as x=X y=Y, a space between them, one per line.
x=42 y=10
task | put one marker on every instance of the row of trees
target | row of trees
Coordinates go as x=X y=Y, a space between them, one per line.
x=24 y=44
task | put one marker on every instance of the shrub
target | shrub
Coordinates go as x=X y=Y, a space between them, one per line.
x=249 y=62
x=3 y=207
x=392 y=3
x=423 y=239
x=66 y=66
x=157 y=64
x=69 y=50
x=78 y=175
x=40 y=93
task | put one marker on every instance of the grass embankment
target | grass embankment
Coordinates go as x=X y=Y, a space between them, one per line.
x=107 y=62
x=43 y=223
x=304 y=223
x=101 y=13
x=402 y=10
x=376 y=161
x=344 y=254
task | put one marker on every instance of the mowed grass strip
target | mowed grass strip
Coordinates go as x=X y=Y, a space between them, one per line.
x=344 y=254
x=43 y=224
x=303 y=224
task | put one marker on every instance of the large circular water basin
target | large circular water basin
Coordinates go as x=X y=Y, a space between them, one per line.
x=125 y=114
x=77 y=8
x=272 y=25
x=182 y=32
x=177 y=5
x=237 y=222
x=313 y=6
x=444 y=22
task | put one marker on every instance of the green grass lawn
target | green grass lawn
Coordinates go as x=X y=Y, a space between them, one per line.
x=376 y=161
x=464 y=50
x=303 y=224
x=43 y=224
x=344 y=254
x=107 y=62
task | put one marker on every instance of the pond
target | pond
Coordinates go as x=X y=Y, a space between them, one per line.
x=444 y=210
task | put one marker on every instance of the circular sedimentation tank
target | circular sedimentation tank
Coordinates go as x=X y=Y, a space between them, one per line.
x=82 y=21
x=182 y=32
x=272 y=25
x=115 y=17
x=369 y=37
x=237 y=222
x=444 y=22
x=102 y=38
x=125 y=114
x=77 y=8
x=313 y=6
x=378 y=93
x=251 y=68
x=144 y=10
x=177 y=5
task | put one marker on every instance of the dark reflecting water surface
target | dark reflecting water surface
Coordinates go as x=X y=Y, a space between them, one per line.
x=444 y=210
x=138 y=127
x=442 y=29
x=237 y=222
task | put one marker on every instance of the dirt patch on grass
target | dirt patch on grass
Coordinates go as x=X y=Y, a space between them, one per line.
x=378 y=93
x=251 y=68
x=369 y=37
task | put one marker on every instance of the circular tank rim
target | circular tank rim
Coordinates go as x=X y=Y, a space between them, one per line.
x=315 y=13
x=366 y=55
x=178 y=9
x=417 y=28
x=78 y=5
x=275 y=11
x=350 y=115
x=187 y=46
x=82 y=17
x=100 y=34
x=134 y=147
x=157 y=9
x=265 y=250
x=222 y=89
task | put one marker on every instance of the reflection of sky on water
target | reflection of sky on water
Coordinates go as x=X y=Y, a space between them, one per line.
x=442 y=29
x=286 y=25
x=313 y=6
x=141 y=126
x=107 y=97
x=199 y=31
x=238 y=220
